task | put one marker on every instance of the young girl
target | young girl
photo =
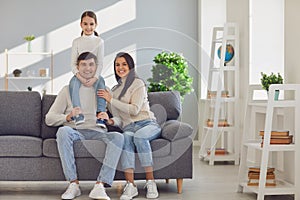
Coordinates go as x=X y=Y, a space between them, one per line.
x=89 y=41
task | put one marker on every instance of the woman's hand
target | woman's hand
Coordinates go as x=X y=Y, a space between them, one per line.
x=104 y=94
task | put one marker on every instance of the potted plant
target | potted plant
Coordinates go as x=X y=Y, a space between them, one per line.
x=267 y=80
x=170 y=72
x=29 y=38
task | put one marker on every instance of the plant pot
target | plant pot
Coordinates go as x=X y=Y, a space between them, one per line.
x=276 y=96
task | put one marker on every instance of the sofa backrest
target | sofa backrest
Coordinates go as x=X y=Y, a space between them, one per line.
x=164 y=105
x=47 y=131
x=20 y=113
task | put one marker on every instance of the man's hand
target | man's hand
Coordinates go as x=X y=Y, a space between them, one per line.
x=104 y=115
x=76 y=111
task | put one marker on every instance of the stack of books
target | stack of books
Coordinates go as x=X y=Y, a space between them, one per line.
x=278 y=137
x=218 y=151
x=253 y=176
x=221 y=123
x=213 y=94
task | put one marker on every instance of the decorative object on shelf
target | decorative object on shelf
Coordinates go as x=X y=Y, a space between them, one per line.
x=170 y=72
x=267 y=80
x=29 y=38
x=31 y=73
x=17 y=72
x=229 y=53
x=43 y=72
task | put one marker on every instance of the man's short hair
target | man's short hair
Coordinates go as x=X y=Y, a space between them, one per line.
x=87 y=56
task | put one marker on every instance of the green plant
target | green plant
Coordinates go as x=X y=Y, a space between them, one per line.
x=29 y=38
x=170 y=72
x=267 y=80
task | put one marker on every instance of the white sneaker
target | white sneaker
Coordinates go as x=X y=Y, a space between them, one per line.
x=98 y=192
x=129 y=192
x=152 y=192
x=72 y=191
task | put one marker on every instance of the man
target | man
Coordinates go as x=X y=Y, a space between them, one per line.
x=63 y=113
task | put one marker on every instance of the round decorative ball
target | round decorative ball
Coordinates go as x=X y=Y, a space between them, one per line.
x=229 y=53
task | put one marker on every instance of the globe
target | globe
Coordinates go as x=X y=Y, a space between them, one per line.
x=228 y=54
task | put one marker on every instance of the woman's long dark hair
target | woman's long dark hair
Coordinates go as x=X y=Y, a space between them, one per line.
x=130 y=77
x=92 y=15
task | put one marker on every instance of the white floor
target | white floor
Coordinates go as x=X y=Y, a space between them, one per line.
x=209 y=183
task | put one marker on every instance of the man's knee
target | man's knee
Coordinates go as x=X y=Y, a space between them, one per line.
x=62 y=133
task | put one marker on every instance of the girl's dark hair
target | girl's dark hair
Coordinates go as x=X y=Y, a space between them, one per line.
x=92 y=15
x=131 y=76
x=86 y=56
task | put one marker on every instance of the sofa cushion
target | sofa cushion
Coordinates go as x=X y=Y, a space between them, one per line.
x=20 y=146
x=94 y=148
x=165 y=105
x=82 y=149
x=174 y=130
x=20 y=113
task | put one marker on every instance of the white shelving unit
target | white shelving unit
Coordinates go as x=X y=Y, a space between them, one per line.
x=284 y=113
x=222 y=77
x=34 y=57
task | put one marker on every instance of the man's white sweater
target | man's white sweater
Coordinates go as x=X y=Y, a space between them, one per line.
x=62 y=106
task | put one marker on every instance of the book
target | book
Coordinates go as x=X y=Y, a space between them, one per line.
x=218 y=151
x=255 y=182
x=256 y=176
x=213 y=94
x=221 y=123
x=276 y=133
x=257 y=169
x=279 y=140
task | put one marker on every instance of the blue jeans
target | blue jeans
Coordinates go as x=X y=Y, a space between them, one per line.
x=74 y=86
x=137 y=136
x=65 y=140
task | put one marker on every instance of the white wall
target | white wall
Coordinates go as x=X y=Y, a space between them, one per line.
x=292 y=41
x=266 y=38
x=142 y=27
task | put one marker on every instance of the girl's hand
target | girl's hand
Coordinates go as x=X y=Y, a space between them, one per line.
x=90 y=82
x=80 y=78
x=104 y=94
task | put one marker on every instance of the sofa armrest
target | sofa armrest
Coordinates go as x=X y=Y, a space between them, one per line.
x=173 y=130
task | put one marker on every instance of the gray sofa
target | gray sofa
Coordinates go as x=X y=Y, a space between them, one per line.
x=28 y=149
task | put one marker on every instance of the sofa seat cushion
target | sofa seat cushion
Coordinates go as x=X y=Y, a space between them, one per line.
x=93 y=148
x=20 y=146
x=82 y=149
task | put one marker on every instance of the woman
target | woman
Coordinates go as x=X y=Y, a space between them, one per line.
x=130 y=107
